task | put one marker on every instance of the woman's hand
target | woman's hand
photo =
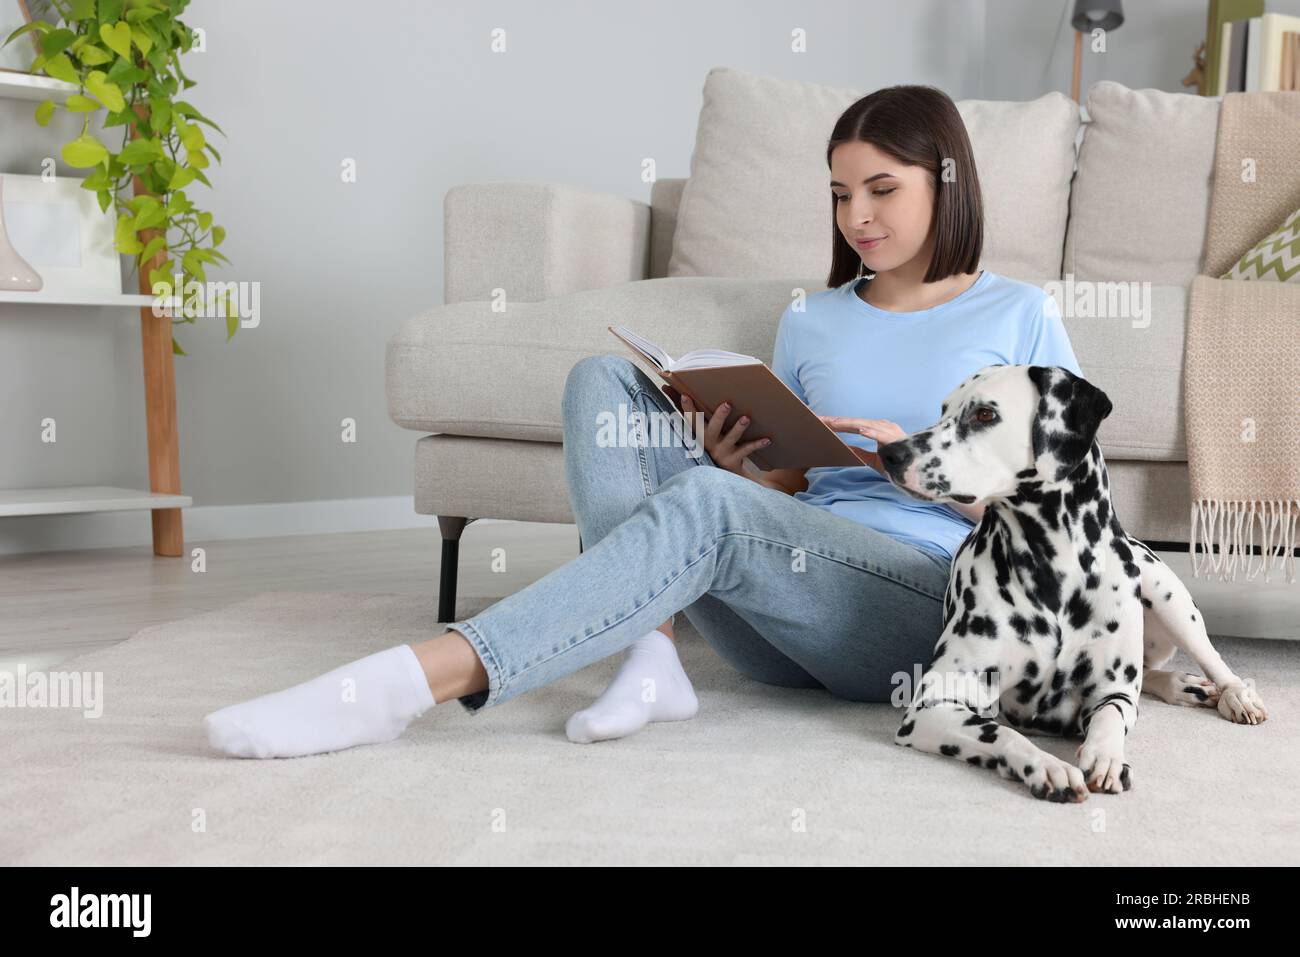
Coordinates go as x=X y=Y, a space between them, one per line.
x=723 y=448
x=882 y=430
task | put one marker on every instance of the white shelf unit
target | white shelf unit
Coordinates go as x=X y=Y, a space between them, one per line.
x=83 y=498
x=42 y=299
x=78 y=498
x=16 y=85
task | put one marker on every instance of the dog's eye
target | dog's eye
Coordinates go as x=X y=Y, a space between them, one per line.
x=984 y=414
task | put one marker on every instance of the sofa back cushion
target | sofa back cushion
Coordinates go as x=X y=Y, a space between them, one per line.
x=758 y=201
x=1141 y=197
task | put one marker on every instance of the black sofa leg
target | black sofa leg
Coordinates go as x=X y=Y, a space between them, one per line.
x=451 y=527
x=579 y=544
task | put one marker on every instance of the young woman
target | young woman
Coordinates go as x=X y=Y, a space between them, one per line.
x=821 y=578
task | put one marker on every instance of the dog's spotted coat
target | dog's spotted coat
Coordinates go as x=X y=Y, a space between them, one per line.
x=1053 y=616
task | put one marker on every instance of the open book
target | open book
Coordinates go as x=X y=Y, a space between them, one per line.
x=800 y=440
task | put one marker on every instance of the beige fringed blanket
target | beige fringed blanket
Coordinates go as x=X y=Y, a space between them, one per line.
x=1241 y=368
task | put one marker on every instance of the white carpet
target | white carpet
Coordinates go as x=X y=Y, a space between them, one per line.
x=762 y=776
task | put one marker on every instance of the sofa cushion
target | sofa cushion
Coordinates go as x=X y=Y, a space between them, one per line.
x=1141 y=197
x=524 y=482
x=757 y=203
x=1134 y=354
x=463 y=369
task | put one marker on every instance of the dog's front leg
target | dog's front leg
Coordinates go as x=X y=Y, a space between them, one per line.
x=953 y=726
x=1101 y=756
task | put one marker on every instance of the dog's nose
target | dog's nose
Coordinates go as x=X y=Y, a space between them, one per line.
x=893 y=455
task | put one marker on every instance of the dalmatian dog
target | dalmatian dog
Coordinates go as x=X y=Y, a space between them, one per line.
x=1054 y=618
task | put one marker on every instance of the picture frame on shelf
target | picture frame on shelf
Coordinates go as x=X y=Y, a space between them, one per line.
x=59 y=229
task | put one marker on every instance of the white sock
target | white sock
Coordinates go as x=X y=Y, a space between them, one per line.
x=367 y=701
x=651 y=671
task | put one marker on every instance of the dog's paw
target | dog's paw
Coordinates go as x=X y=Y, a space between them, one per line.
x=1104 y=770
x=1242 y=705
x=1049 y=778
x=1179 y=687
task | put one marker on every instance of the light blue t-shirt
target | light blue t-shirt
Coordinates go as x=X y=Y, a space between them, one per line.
x=842 y=356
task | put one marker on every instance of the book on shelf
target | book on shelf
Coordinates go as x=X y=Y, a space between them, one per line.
x=800 y=440
x=1259 y=54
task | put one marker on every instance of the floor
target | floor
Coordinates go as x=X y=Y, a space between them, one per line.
x=764 y=775
x=62 y=604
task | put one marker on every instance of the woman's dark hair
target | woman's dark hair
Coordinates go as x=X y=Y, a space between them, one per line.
x=919 y=126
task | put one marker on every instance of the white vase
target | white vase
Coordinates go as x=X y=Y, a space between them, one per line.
x=15 y=272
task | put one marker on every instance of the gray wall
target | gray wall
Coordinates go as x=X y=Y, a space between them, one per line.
x=585 y=91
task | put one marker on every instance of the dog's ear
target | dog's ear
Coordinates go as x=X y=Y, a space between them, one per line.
x=1070 y=410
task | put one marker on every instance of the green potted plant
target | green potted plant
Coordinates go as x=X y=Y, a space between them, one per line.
x=124 y=56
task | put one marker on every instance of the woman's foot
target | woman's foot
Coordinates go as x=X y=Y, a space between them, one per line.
x=650 y=686
x=367 y=701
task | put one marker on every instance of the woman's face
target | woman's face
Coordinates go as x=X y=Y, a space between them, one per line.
x=877 y=197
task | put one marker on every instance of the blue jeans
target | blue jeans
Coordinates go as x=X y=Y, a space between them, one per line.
x=787 y=593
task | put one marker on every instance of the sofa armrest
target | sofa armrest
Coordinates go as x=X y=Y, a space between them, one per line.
x=536 y=241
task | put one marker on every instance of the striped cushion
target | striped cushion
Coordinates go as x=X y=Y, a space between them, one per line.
x=1276 y=257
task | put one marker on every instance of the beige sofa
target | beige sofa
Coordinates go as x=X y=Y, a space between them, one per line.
x=534 y=272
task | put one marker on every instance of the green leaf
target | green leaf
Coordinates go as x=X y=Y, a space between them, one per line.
x=84 y=151
x=124 y=73
x=205 y=221
x=110 y=11
x=142 y=39
x=185 y=109
x=160 y=115
x=181 y=73
x=61 y=68
x=197 y=159
x=105 y=199
x=44 y=112
x=182 y=177
x=142 y=13
x=56 y=41
x=91 y=55
x=80 y=104
x=27 y=28
x=176 y=348
x=138 y=204
x=81 y=10
x=232 y=320
x=198 y=174
x=117 y=37
x=162 y=276
x=218 y=234
x=97 y=180
x=149 y=218
x=106 y=92
x=193 y=139
x=213 y=150
x=193 y=264
x=124 y=237
x=140 y=152
x=155 y=244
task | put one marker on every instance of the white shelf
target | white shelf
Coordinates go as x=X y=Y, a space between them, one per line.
x=43 y=298
x=24 y=86
x=84 y=498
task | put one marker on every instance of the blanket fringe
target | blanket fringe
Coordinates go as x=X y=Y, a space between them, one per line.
x=1222 y=524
